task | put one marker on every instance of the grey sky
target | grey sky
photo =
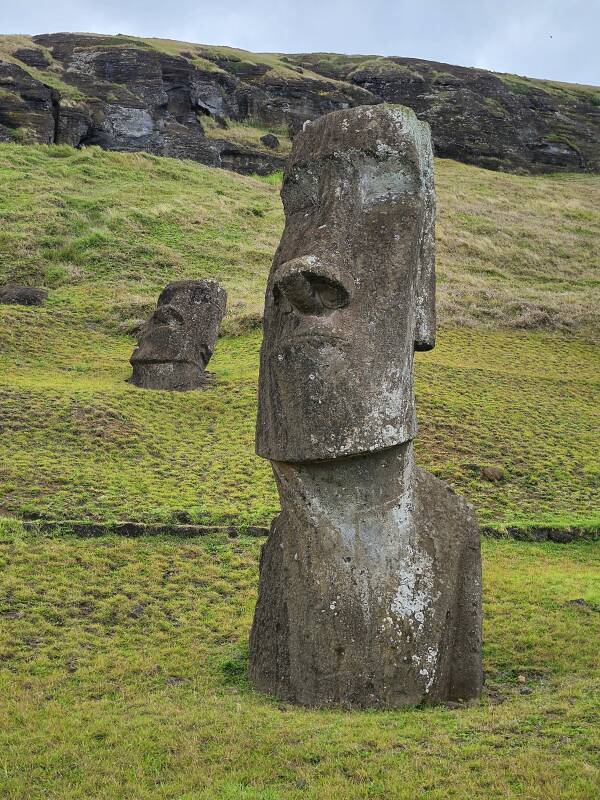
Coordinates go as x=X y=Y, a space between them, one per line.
x=541 y=38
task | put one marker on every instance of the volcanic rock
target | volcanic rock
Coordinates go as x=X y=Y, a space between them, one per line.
x=124 y=93
x=177 y=342
x=15 y=294
x=270 y=140
x=370 y=580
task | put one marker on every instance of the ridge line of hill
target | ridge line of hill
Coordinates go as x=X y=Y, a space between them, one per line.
x=215 y=104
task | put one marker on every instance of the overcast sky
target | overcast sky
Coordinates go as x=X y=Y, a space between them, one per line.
x=541 y=38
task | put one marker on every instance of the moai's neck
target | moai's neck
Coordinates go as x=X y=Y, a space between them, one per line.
x=357 y=493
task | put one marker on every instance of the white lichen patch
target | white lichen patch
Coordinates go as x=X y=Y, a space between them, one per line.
x=428 y=671
x=384 y=149
x=378 y=184
x=413 y=598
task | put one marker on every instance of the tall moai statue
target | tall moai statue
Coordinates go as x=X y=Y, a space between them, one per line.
x=177 y=341
x=370 y=580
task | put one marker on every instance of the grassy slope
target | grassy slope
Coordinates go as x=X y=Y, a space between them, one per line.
x=108 y=230
x=122 y=662
x=122 y=674
x=52 y=76
x=249 y=134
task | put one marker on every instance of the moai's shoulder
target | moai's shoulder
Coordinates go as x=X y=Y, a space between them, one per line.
x=442 y=510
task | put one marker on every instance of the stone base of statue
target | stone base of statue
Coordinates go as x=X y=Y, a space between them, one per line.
x=170 y=376
x=370 y=587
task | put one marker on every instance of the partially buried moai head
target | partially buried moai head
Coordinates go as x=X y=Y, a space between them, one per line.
x=351 y=293
x=176 y=343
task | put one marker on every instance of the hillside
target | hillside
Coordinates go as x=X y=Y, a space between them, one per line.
x=513 y=381
x=123 y=661
x=213 y=104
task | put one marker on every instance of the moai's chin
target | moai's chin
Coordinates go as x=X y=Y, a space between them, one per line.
x=171 y=376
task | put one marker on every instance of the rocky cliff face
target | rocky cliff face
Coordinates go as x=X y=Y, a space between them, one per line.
x=120 y=97
x=188 y=101
x=495 y=121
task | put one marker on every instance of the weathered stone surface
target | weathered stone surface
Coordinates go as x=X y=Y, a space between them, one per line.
x=177 y=342
x=370 y=587
x=15 y=294
x=479 y=117
x=33 y=57
x=132 y=96
x=28 y=108
x=370 y=580
x=73 y=123
x=351 y=289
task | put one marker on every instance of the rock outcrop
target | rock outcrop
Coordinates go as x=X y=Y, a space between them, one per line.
x=127 y=97
x=479 y=117
x=270 y=141
x=28 y=108
x=15 y=294
x=124 y=93
x=370 y=580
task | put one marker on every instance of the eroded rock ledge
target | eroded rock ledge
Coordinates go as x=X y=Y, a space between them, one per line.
x=175 y=99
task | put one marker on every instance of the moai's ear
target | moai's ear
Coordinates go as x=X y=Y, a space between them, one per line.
x=425 y=294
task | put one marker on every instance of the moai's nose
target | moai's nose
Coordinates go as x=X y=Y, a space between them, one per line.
x=309 y=287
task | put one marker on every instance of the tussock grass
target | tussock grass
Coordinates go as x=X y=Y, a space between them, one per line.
x=111 y=229
x=513 y=251
x=79 y=442
x=122 y=674
x=518 y=251
x=106 y=231
x=249 y=134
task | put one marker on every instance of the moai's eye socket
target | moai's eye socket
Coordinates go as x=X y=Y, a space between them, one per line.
x=331 y=293
x=167 y=315
x=299 y=193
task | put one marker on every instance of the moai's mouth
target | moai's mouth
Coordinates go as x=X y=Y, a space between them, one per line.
x=317 y=336
x=167 y=361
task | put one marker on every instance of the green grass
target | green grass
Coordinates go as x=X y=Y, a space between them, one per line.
x=249 y=133
x=572 y=91
x=106 y=231
x=123 y=661
x=79 y=442
x=122 y=674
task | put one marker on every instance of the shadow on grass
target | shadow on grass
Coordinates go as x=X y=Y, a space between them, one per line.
x=235 y=670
